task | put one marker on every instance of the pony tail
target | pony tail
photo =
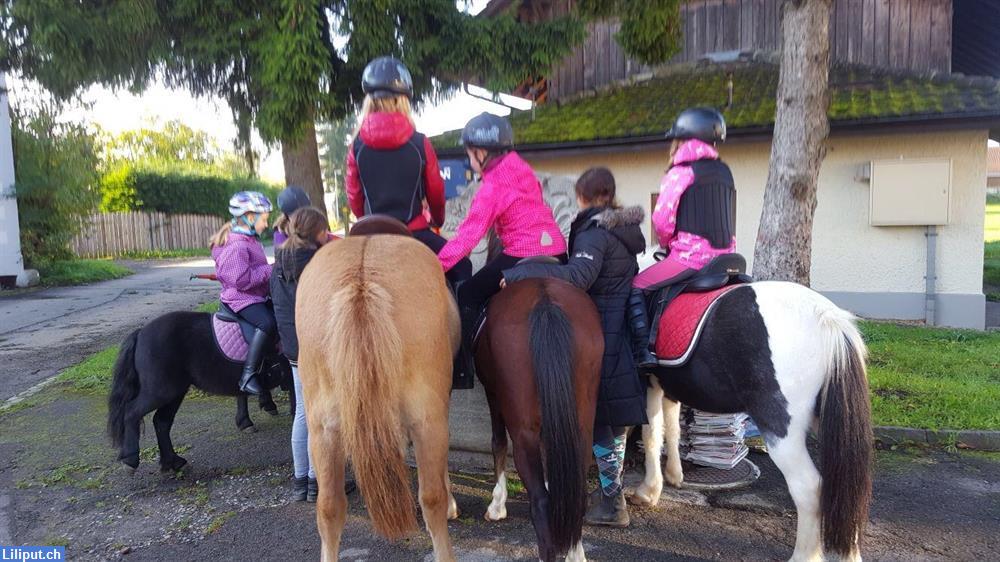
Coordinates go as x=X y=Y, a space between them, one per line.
x=368 y=365
x=845 y=436
x=221 y=236
x=551 y=342
x=124 y=389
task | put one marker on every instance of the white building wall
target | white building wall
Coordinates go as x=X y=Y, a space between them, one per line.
x=875 y=271
x=10 y=243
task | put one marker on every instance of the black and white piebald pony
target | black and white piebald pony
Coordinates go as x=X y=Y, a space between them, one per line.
x=795 y=362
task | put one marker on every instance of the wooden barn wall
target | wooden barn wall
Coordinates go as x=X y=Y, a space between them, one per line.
x=900 y=34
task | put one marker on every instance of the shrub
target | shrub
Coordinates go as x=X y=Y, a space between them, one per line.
x=128 y=189
x=57 y=182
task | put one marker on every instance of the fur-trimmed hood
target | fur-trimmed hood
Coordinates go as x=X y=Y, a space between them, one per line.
x=623 y=223
x=613 y=218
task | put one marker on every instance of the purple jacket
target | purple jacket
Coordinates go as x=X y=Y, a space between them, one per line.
x=243 y=271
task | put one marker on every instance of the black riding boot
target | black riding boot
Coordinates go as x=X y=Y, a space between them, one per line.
x=464 y=369
x=248 y=382
x=639 y=323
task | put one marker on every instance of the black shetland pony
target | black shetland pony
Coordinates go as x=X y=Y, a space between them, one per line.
x=156 y=366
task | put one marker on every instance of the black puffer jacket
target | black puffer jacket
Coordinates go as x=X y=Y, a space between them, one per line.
x=603 y=245
x=288 y=266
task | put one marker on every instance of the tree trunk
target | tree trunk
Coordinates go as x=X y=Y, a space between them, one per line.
x=301 y=159
x=784 y=240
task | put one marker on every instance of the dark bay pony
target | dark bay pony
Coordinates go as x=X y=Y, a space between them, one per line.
x=156 y=366
x=539 y=359
x=795 y=362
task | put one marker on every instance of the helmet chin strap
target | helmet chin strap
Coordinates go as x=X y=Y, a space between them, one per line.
x=246 y=228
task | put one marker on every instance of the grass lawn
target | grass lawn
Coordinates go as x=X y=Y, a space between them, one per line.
x=933 y=378
x=79 y=272
x=991 y=261
x=168 y=254
x=93 y=374
x=211 y=306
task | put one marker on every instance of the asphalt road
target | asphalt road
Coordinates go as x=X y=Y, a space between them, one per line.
x=43 y=332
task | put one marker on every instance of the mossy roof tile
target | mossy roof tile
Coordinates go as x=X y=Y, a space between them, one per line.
x=859 y=95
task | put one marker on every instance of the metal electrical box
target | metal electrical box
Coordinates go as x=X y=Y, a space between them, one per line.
x=910 y=192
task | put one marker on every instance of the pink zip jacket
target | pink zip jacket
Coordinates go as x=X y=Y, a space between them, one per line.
x=509 y=200
x=243 y=271
x=689 y=249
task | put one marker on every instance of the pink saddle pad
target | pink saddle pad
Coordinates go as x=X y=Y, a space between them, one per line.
x=229 y=338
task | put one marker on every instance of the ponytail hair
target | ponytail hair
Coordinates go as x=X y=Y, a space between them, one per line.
x=281 y=224
x=221 y=236
x=304 y=226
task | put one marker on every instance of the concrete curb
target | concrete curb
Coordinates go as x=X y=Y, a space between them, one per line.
x=979 y=440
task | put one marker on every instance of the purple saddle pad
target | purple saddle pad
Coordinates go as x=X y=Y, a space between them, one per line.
x=229 y=338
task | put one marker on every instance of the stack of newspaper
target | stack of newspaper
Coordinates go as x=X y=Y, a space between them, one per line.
x=714 y=440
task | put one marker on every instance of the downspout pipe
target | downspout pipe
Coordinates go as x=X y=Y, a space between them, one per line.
x=930 y=278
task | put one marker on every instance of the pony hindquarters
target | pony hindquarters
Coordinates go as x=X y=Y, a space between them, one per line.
x=818 y=357
x=550 y=337
x=553 y=327
x=375 y=357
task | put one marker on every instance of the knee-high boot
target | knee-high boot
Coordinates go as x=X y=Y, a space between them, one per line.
x=464 y=370
x=639 y=323
x=248 y=382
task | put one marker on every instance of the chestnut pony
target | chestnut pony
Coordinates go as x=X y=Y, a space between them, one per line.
x=539 y=359
x=377 y=332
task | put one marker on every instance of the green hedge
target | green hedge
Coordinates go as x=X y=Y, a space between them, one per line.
x=126 y=189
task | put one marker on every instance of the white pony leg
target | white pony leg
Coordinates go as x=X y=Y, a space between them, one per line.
x=498 y=507
x=792 y=458
x=648 y=493
x=672 y=425
x=576 y=554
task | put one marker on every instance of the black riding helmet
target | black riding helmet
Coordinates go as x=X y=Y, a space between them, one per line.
x=291 y=199
x=488 y=131
x=386 y=77
x=702 y=123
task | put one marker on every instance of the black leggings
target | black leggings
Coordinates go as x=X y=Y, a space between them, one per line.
x=261 y=315
x=461 y=271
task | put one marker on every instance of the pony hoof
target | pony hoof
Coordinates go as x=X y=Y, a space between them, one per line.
x=177 y=466
x=640 y=497
x=498 y=514
x=127 y=468
x=271 y=411
x=249 y=429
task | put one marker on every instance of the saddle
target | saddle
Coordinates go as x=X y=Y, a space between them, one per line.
x=679 y=311
x=232 y=333
x=370 y=225
x=481 y=319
